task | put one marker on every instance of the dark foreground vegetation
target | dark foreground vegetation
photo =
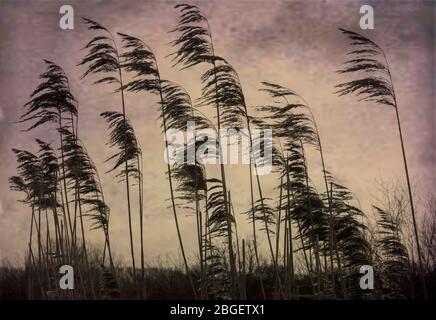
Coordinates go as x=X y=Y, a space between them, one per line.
x=171 y=283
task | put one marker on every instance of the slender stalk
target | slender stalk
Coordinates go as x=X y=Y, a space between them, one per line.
x=306 y=259
x=232 y=212
x=341 y=279
x=208 y=238
x=278 y=223
x=253 y=223
x=303 y=247
x=38 y=274
x=64 y=229
x=64 y=178
x=58 y=236
x=232 y=261
x=126 y=168
x=290 y=255
x=201 y=245
x=243 y=275
x=141 y=226
x=85 y=253
x=105 y=227
x=409 y=189
x=309 y=204
x=38 y=228
x=274 y=260
x=200 y=240
x=30 y=272
x=332 y=245
x=169 y=172
x=279 y=220
x=286 y=260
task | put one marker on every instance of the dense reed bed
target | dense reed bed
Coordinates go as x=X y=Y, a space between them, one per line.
x=317 y=236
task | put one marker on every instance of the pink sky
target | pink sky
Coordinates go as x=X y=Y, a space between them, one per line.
x=292 y=43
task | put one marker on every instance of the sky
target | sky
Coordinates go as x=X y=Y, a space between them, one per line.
x=293 y=43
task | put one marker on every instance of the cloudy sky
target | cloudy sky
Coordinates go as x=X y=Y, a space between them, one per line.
x=292 y=43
